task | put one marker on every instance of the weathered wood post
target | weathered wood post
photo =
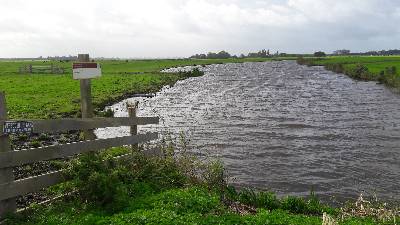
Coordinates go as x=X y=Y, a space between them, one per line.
x=30 y=68
x=86 y=98
x=132 y=114
x=6 y=174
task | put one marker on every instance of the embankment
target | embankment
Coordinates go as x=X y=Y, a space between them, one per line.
x=379 y=69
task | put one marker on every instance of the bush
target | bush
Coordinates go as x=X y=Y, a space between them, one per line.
x=96 y=180
x=319 y=54
x=301 y=61
x=268 y=200
x=106 y=113
x=391 y=70
x=360 y=72
x=195 y=72
x=106 y=181
x=335 y=67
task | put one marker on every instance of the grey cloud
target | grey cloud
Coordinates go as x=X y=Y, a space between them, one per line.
x=173 y=28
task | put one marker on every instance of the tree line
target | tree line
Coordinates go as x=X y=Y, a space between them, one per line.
x=226 y=55
x=368 y=53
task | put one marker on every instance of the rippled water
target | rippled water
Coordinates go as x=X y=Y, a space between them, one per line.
x=285 y=127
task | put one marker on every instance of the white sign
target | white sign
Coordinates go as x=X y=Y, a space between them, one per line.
x=86 y=70
x=16 y=127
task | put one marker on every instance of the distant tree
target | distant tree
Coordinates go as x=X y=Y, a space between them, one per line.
x=212 y=55
x=283 y=54
x=262 y=53
x=319 y=54
x=223 y=55
x=252 y=55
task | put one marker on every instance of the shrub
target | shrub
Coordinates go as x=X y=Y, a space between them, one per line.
x=106 y=113
x=360 y=72
x=96 y=180
x=389 y=77
x=195 y=72
x=294 y=204
x=106 y=181
x=391 y=70
x=268 y=200
x=335 y=67
x=319 y=54
x=301 y=61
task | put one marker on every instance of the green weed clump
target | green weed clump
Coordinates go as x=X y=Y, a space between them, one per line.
x=195 y=72
x=389 y=77
x=269 y=200
x=360 y=72
x=335 y=67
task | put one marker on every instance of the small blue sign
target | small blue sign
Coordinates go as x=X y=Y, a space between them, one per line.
x=17 y=127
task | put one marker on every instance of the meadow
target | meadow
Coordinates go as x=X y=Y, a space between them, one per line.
x=382 y=69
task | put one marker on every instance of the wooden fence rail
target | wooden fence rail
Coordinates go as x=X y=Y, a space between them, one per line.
x=17 y=158
x=10 y=188
x=54 y=69
x=62 y=125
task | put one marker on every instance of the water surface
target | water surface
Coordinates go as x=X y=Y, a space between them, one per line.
x=285 y=127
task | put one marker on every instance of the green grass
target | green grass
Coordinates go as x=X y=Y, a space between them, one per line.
x=55 y=95
x=193 y=205
x=143 y=190
x=356 y=59
x=368 y=68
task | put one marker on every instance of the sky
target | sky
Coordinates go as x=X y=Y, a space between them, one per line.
x=180 y=28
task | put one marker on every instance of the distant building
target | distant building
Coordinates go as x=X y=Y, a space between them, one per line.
x=342 y=52
x=63 y=58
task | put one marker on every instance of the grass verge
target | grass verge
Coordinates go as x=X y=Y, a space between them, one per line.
x=173 y=189
x=382 y=69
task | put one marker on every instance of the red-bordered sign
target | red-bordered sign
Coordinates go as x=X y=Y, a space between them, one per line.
x=86 y=70
x=84 y=65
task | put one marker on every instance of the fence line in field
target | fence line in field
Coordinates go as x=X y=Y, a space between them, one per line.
x=41 y=69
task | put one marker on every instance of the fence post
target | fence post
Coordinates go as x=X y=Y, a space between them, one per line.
x=6 y=174
x=86 y=98
x=30 y=68
x=132 y=114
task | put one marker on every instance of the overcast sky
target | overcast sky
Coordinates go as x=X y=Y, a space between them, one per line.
x=179 y=28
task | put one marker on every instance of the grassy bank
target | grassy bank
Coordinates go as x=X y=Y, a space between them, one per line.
x=174 y=189
x=57 y=95
x=383 y=69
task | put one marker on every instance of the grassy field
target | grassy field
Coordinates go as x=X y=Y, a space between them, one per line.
x=57 y=95
x=382 y=69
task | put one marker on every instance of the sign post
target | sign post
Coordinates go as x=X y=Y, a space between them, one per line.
x=84 y=71
x=6 y=174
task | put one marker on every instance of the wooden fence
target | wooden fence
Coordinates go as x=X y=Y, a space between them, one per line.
x=10 y=188
x=53 y=69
